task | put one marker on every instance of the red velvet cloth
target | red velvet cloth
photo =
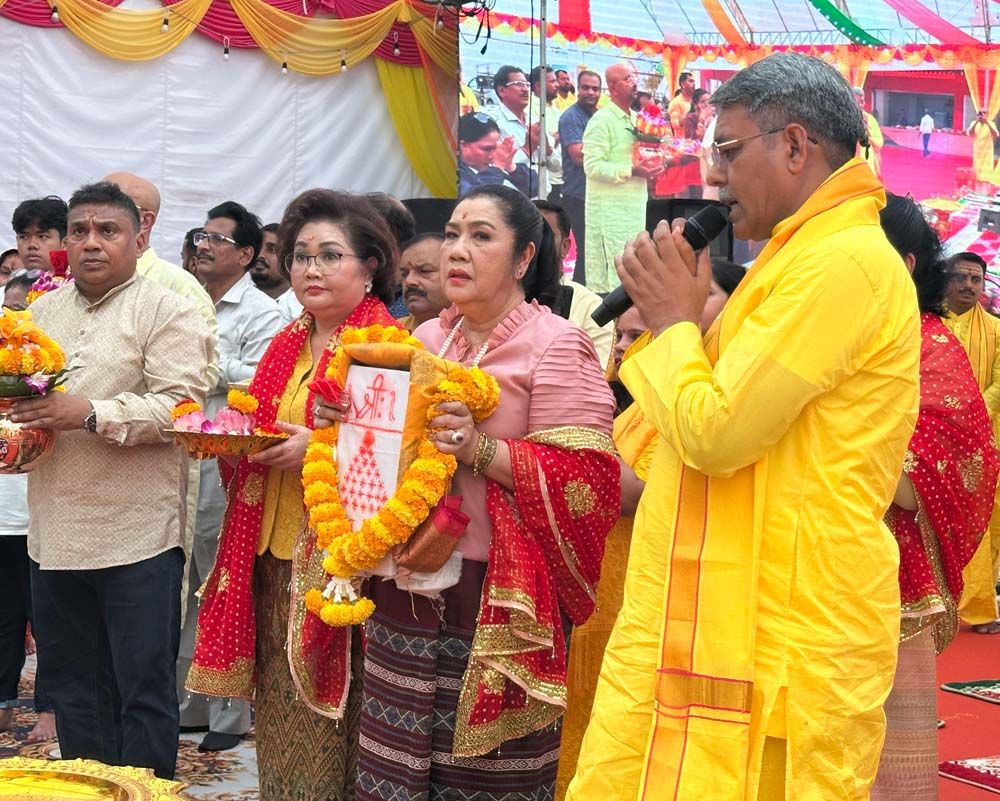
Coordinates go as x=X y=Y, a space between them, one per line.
x=953 y=464
x=545 y=559
x=225 y=649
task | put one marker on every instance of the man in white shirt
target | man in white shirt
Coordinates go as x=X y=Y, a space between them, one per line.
x=926 y=129
x=228 y=245
x=514 y=91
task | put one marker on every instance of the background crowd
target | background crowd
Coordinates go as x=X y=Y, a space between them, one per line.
x=166 y=594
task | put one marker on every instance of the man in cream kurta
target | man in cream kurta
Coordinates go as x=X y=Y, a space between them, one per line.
x=106 y=522
x=615 y=209
x=979 y=333
x=757 y=640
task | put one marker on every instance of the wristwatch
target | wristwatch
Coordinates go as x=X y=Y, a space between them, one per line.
x=90 y=422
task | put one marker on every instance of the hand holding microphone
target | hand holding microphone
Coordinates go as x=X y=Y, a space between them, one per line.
x=663 y=273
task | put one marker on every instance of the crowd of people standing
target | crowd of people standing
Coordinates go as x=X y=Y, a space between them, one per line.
x=716 y=550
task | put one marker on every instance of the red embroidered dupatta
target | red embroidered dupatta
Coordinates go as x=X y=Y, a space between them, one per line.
x=952 y=463
x=545 y=556
x=224 y=662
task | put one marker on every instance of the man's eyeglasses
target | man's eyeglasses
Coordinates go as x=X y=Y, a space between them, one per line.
x=212 y=238
x=326 y=262
x=723 y=153
x=520 y=84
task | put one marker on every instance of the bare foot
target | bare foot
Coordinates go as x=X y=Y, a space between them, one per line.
x=29 y=643
x=6 y=719
x=987 y=628
x=44 y=730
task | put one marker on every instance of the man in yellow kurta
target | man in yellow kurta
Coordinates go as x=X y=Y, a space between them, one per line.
x=983 y=135
x=978 y=331
x=757 y=639
x=871 y=150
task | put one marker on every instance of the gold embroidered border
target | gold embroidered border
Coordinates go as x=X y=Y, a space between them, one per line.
x=945 y=623
x=236 y=682
x=573 y=438
x=568 y=555
x=679 y=690
x=471 y=741
x=503 y=640
x=508 y=597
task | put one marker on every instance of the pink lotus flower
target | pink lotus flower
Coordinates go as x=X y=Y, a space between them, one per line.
x=230 y=421
x=190 y=422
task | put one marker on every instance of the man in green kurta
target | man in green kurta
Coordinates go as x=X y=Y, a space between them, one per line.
x=616 y=189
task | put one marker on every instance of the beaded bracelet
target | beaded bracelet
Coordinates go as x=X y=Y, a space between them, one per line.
x=486 y=452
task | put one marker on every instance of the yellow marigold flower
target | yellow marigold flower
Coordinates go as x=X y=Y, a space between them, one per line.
x=241 y=401
x=319 y=470
x=183 y=408
x=320 y=492
x=314 y=601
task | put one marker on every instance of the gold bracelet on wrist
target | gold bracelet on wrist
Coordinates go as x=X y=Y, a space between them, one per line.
x=486 y=452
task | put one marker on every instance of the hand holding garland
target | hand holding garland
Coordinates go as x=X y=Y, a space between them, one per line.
x=456 y=417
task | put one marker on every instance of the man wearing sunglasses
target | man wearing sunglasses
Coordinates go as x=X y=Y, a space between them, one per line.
x=758 y=639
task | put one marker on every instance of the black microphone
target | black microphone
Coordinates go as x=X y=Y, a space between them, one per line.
x=699 y=230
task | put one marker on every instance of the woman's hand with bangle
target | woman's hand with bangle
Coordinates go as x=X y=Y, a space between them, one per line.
x=454 y=432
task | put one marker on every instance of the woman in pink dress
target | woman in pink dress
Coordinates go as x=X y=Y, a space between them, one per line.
x=464 y=693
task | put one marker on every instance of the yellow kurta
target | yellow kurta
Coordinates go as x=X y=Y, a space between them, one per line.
x=761 y=527
x=979 y=331
x=982 y=150
x=875 y=142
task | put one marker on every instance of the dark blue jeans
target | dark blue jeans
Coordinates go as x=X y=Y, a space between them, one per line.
x=108 y=645
x=15 y=613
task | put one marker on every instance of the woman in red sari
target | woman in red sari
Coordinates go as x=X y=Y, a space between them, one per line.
x=341 y=258
x=464 y=693
x=941 y=510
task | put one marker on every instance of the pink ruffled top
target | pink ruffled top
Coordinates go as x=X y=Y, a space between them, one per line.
x=549 y=377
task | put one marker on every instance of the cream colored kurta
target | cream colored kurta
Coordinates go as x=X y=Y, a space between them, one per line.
x=793 y=439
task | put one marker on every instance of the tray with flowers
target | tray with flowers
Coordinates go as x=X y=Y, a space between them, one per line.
x=232 y=432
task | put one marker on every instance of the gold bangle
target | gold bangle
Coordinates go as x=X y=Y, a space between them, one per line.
x=486 y=452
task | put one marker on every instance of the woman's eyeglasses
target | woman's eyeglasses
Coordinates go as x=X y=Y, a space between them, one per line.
x=326 y=262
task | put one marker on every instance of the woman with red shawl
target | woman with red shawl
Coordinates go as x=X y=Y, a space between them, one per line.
x=941 y=510
x=464 y=693
x=341 y=259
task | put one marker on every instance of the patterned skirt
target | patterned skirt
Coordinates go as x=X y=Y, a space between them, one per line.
x=417 y=652
x=908 y=767
x=301 y=755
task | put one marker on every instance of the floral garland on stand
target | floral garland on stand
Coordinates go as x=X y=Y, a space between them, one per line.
x=422 y=486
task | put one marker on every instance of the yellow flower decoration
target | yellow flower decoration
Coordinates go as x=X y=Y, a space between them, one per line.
x=184 y=407
x=241 y=401
x=423 y=483
x=25 y=349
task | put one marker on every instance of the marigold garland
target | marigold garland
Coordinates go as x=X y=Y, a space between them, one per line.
x=422 y=485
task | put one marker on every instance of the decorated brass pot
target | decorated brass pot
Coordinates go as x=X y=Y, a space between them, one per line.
x=21 y=449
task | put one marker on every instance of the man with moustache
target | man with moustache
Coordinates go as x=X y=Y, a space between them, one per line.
x=979 y=333
x=757 y=641
x=105 y=532
x=266 y=273
x=514 y=91
x=228 y=244
x=420 y=269
x=565 y=93
x=572 y=124
x=615 y=205
x=40 y=225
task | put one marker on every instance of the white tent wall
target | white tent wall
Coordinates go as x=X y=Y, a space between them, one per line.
x=201 y=128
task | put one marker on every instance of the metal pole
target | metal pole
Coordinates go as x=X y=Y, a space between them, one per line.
x=543 y=78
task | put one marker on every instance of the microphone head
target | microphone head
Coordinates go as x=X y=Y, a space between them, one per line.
x=706 y=225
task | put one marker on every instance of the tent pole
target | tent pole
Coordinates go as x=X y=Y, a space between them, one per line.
x=543 y=72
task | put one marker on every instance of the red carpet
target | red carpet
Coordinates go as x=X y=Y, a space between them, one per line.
x=973 y=727
x=905 y=170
